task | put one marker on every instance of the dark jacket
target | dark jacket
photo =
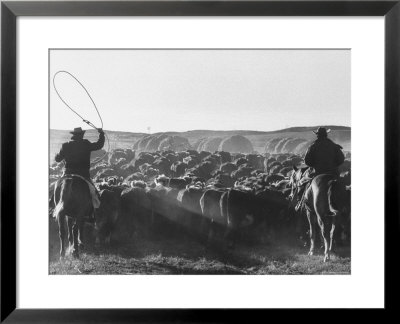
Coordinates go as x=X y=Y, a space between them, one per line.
x=76 y=155
x=324 y=156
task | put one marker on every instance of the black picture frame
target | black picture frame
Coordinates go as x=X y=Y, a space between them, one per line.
x=11 y=10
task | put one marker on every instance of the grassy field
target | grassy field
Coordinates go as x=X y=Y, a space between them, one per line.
x=166 y=255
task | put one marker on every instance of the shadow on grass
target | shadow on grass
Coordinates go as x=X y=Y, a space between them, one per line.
x=166 y=254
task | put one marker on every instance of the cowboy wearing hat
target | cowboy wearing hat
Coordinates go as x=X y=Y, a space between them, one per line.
x=76 y=153
x=324 y=155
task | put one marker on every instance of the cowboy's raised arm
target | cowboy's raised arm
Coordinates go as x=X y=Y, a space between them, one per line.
x=100 y=142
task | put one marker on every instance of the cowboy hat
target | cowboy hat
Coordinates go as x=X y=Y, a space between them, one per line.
x=77 y=131
x=322 y=131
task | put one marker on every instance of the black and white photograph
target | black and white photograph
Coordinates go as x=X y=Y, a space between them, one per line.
x=199 y=161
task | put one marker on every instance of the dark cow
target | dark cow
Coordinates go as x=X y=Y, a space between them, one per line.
x=135 y=215
x=172 y=157
x=228 y=167
x=177 y=183
x=212 y=221
x=163 y=165
x=255 y=160
x=203 y=170
x=204 y=154
x=134 y=177
x=163 y=207
x=224 y=156
x=191 y=161
x=256 y=215
x=178 y=169
x=143 y=158
x=242 y=172
x=214 y=160
x=240 y=161
x=276 y=169
x=107 y=215
x=237 y=210
x=190 y=215
x=225 y=180
x=192 y=152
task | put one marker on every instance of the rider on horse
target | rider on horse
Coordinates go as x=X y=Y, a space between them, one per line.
x=76 y=155
x=324 y=156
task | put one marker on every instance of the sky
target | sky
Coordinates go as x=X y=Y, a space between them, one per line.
x=179 y=90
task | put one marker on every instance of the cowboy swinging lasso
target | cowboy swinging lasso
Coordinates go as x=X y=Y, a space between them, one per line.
x=75 y=196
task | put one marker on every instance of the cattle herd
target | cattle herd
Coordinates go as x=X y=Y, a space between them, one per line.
x=219 y=197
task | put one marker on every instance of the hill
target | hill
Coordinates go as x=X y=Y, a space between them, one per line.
x=117 y=139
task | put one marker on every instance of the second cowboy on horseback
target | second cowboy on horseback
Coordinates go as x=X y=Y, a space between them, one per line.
x=324 y=156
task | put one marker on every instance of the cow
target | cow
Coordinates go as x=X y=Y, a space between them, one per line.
x=107 y=215
x=256 y=214
x=212 y=221
x=228 y=167
x=223 y=156
x=135 y=213
x=255 y=160
x=163 y=207
x=178 y=168
x=190 y=215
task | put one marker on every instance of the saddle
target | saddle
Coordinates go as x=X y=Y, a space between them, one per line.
x=92 y=188
x=306 y=198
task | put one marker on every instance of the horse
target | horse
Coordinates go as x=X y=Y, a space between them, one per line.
x=325 y=200
x=73 y=203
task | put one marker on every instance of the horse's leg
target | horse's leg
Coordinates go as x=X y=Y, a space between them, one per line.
x=325 y=235
x=70 y=236
x=81 y=228
x=321 y=206
x=61 y=230
x=311 y=221
x=75 y=232
x=332 y=233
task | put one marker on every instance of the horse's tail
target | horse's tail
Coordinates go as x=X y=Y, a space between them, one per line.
x=334 y=196
x=57 y=210
x=62 y=190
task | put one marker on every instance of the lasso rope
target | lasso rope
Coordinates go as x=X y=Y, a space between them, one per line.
x=76 y=113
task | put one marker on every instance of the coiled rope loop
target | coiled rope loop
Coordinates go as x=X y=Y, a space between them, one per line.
x=76 y=113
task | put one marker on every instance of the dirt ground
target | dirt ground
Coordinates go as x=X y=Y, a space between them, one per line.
x=160 y=254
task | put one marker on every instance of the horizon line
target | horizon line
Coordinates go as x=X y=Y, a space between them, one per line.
x=211 y=130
